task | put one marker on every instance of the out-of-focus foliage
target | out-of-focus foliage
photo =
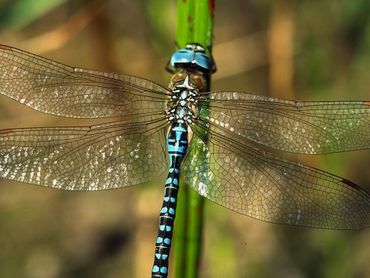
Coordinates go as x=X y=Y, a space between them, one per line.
x=16 y=14
x=49 y=233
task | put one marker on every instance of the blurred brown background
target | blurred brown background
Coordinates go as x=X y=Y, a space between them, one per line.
x=289 y=49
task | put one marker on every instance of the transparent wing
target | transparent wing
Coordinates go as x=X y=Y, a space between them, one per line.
x=272 y=189
x=99 y=157
x=311 y=127
x=54 y=88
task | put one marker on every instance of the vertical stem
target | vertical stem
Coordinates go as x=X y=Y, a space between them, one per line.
x=194 y=25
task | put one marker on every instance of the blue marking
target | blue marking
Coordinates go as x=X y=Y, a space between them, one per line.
x=169 y=181
x=179 y=136
x=172 y=211
x=167 y=241
x=176 y=149
x=175 y=155
x=175 y=181
x=155 y=268
x=162 y=227
x=164 y=257
x=158 y=256
x=176 y=169
x=166 y=199
x=172 y=187
x=159 y=239
x=164 y=210
x=170 y=148
x=164 y=270
x=179 y=129
x=168 y=228
x=181 y=150
x=173 y=199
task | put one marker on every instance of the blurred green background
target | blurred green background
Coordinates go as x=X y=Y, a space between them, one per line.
x=291 y=49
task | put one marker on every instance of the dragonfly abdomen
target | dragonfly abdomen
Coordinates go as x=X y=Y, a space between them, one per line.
x=177 y=144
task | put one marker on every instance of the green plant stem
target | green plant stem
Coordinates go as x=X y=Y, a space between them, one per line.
x=194 y=25
x=194 y=22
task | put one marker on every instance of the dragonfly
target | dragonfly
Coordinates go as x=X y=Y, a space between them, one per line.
x=223 y=143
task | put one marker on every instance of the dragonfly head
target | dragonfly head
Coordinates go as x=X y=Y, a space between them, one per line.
x=193 y=57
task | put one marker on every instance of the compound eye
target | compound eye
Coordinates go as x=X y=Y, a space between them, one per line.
x=203 y=61
x=181 y=56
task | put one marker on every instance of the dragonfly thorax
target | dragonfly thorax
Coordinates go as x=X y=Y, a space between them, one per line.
x=183 y=105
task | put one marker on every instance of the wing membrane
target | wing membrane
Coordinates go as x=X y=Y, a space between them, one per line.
x=100 y=157
x=272 y=189
x=310 y=127
x=54 y=88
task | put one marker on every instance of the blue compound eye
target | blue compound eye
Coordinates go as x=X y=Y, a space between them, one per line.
x=203 y=61
x=193 y=57
x=181 y=56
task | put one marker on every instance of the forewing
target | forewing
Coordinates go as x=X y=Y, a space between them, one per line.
x=54 y=88
x=310 y=127
x=85 y=158
x=272 y=189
